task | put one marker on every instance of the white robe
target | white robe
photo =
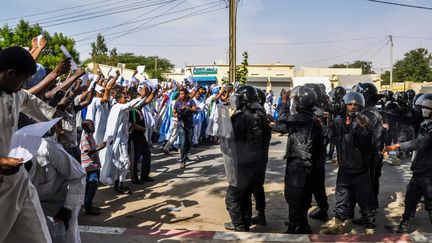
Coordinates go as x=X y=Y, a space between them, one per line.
x=21 y=215
x=115 y=162
x=60 y=181
x=212 y=126
x=98 y=112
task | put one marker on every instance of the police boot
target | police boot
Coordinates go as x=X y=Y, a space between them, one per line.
x=292 y=229
x=336 y=228
x=260 y=219
x=402 y=228
x=404 y=225
x=319 y=214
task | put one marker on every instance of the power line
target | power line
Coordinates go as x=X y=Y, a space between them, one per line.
x=87 y=12
x=118 y=25
x=136 y=29
x=105 y=14
x=401 y=4
x=175 y=19
x=379 y=50
x=142 y=25
x=370 y=50
x=55 y=10
x=131 y=22
x=414 y=37
x=345 y=54
x=101 y=30
x=259 y=44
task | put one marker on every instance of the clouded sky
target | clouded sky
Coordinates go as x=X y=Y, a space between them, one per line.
x=314 y=33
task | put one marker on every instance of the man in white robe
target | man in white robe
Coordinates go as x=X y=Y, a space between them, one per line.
x=60 y=182
x=22 y=219
x=116 y=164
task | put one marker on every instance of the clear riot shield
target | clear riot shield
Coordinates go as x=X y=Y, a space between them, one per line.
x=227 y=145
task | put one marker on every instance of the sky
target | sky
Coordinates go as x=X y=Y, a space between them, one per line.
x=306 y=33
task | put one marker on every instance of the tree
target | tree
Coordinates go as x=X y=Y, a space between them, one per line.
x=242 y=71
x=366 y=66
x=23 y=34
x=416 y=66
x=130 y=59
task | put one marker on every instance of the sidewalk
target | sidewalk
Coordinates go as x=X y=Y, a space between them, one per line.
x=143 y=235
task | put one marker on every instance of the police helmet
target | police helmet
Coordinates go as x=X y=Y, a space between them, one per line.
x=246 y=95
x=305 y=98
x=317 y=89
x=261 y=96
x=354 y=97
x=410 y=94
x=424 y=101
x=338 y=93
x=388 y=94
x=369 y=92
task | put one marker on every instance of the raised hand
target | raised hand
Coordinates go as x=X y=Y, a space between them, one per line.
x=10 y=166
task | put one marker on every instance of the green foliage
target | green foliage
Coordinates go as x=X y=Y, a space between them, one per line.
x=366 y=66
x=23 y=34
x=416 y=66
x=101 y=54
x=385 y=78
x=242 y=71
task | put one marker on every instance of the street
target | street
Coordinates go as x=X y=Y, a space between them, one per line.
x=193 y=198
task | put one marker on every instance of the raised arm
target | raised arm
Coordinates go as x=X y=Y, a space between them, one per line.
x=66 y=84
x=38 y=51
x=61 y=68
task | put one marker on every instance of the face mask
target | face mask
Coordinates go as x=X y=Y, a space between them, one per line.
x=426 y=113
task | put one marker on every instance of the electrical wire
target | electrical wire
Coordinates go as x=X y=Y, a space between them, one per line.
x=343 y=55
x=55 y=10
x=401 y=4
x=135 y=29
x=118 y=25
x=136 y=7
x=179 y=18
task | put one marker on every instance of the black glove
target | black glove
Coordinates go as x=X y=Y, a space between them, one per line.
x=64 y=215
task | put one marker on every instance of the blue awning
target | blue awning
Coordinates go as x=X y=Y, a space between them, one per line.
x=210 y=79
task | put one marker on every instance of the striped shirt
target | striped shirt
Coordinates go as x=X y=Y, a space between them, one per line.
x=89 y=162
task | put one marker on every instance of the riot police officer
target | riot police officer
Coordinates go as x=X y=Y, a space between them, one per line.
x=353 y=139
x=421 y=180
x=304 y=151
x=250 y=134
x=371 y=96
x=259 y=193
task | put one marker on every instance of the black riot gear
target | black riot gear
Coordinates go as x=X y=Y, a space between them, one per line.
x=401 y=98
x=338 y=93
x=420 y=184
x=410 y=94
x=354 y=98
x=246 y=95
x=318 y=91
x=388 y=94
x=305 y=98
x=261 y=96
x=369 y=92
x=304 y=154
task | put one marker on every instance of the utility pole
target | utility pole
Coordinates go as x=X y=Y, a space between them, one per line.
x=232 y=40
x=391 y=61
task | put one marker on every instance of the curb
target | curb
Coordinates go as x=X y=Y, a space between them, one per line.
x=261 y=237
